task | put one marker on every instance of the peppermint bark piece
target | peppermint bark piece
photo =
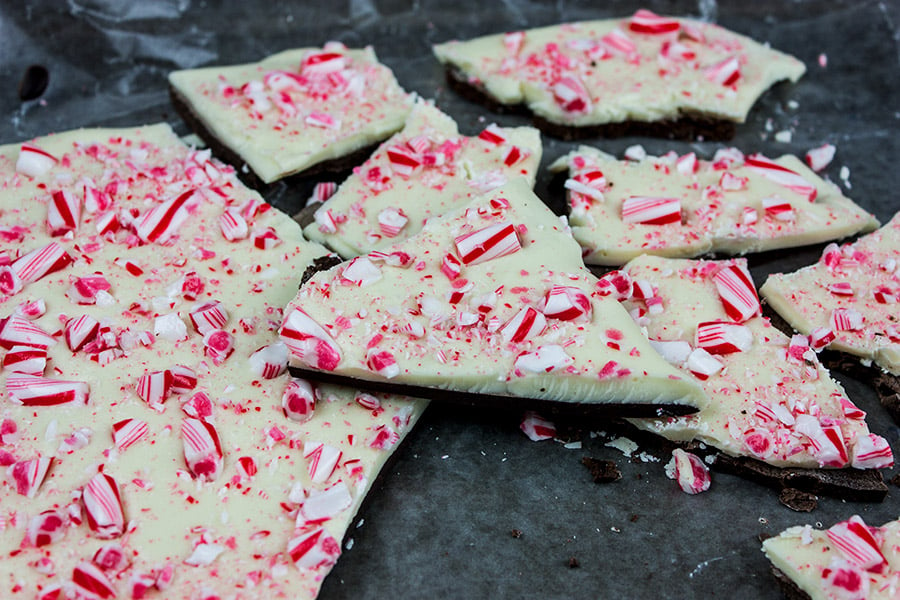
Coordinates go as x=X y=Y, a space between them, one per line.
x=153 y=445
x=423 y=171
x=489 y=303
x=645 y=74
x=770 y=399
x=295 y=112
x=683 y=206
x=848 y=300
x=848 y=560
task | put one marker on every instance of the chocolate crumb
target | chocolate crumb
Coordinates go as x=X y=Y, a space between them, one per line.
x=888 y=388
x=516 y=533
x=895 y=480
x=763 y=537
x=798 y=500
x=573 y=563
x=633 y=518
x=603 y=471
x=33 y=83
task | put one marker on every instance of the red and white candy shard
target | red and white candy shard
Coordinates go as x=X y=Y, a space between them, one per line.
x=567 y=303
x=821 y=157
x=234 y=226
x=30 y=390
x=79 y=331
x=402 y=161
x=34 y=161
x=90 y=582
x=383 y=363
x=218 y=345
x=299 y=400
x=451 y=266
x=28 y=475
x=208 y=316
x=46 y=528
x=778 y=209
x=25 y=359
x=486 y=244
x=737 y=292
x=645 y=21
x=18 y=331
x=202 y=449
x=103 y=507
x=391 y=221
x=676 y=352
x=309 y=342
x=846 y=319
x=781 y=175
x=725 y=72
x=689 y=471
x=826 y=441
x=41 y=262
x=720 y=337
x=536 y=427
x=527 y=324
x=361 y=272
x=703 y=364
x=325 y=504
x=544 y=359
x=572 y=95
x=314 y=549
x=651 y=211
x=88 y=290
x=63 y=212
x=854 y=539
x=162 y=222
x=127 y=432
x=322 y=460
x=184 y=379
x=155 y=387
x=871 y=452
x=840 y=288
x=111 y=557
x=270 y=361
x=821 y=337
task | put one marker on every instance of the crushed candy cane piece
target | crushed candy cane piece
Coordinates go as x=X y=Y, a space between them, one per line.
x=103 y=506
x=298 y=400
x=689 y=471
x=309 y=342
x=536 y=427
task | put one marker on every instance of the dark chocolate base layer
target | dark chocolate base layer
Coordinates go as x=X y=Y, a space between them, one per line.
x=337 y=168
x=790 y=589
x=686 y=127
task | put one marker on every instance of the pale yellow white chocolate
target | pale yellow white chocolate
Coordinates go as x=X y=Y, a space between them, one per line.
x=849 y=560
x=769 y=398
x=851 y=295
x=423 y=171
x=150 y=440
x=298 y=108
x=488 y=298
x=643 y=68
x=683 y=206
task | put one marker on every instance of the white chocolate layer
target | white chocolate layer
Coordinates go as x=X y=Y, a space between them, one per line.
x=240 y=522
x=458 y=329
x=825 y=572
x=621 y=74
x=870 y=267
x=721 y=206
x=281 y=120
x=452 y=170
x=757 y=397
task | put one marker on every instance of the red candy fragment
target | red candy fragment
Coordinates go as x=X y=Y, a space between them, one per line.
x=703 y=364
x=309 y=342
x=298 y=400
x=322 y=460
x=383 y=363
x=91 y=582
x=79 y=331
x=536 y=427
x=233 y=225
x=154 y=387
x=826 y=441
x=202 y=449
x=103 y=506
x=270 y=361
x=846 y=319
x=391 y=221
x=567 y=303
x=571 y=94
x=161 y=223
x=645 y=21
x=34 y=161
x=651 y=211
x=218 y=345
x=819 y=158
x=528 y=323
x=314 y=549
x=719 y=337
x=725 y=72
x=854 y=539
x=41 y=262
x=871 y=452
x=127 y=432
x=486 y=244
x=63 y=212
x=208 y=317
x=46 y=528
x=18 y=331
x=737 y=292
x=28 y=475
x=689 y=471
x=781 y=175
x=30 y=390
x=25 y=359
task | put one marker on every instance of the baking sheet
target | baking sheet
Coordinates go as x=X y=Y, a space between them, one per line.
x=440 y=523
